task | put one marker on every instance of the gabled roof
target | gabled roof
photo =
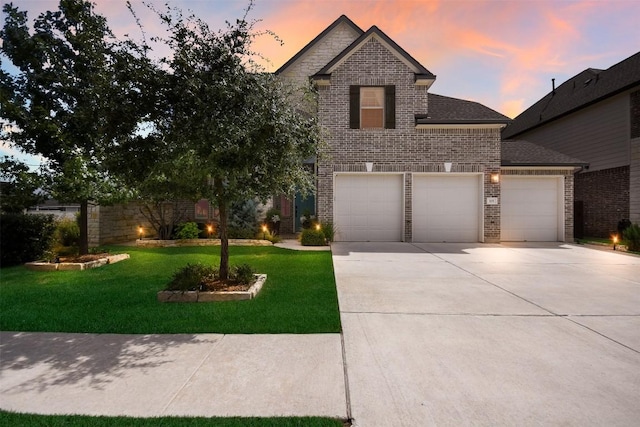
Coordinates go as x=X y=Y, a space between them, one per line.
x=418 y=69
x=524 y=153
x=446 y=110
x=582 y=90
x=340 y=20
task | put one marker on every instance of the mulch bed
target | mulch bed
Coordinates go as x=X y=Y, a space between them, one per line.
x=220 y=285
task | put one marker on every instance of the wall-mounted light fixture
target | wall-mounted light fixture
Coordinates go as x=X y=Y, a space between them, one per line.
x=369 y=166
x=495 y=178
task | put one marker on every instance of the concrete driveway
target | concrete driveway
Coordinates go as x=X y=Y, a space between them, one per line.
x=474 y=334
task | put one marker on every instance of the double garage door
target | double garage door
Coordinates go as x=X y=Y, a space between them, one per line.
x=370 y=207
x=445 y=208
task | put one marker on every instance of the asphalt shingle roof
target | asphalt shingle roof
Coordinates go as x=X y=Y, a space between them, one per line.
x=584 y=89
x=524 y=153
x=443 y=110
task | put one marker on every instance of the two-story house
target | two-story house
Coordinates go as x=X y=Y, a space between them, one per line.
x=594 y=116
x=404 y=164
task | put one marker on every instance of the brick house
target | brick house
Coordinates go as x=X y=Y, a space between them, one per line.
x=594 y=116
x=404 y=164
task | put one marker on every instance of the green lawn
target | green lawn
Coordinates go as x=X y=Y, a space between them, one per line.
x=10 y=419
x=298 y=297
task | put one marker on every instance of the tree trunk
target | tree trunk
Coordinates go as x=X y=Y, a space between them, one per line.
x=83 y=245
x=224 y=240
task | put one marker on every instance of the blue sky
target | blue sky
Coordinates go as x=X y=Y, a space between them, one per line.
x=501 y=53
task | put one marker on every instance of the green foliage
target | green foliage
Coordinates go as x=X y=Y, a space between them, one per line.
x=312 y=237
x=632 y=237
x=189 y=278
x=188 y=230
x=269 y=235
x=24 y=238
x=67 y=232
x=19 y=187
x=328 y=229
x=243 y=274
x=243 y=219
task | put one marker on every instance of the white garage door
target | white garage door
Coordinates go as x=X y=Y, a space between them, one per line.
x=446 y=208
x=368 y=207
x=531 y=209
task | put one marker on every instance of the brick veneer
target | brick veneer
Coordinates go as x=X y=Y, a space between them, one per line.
x=605 y=195
x=403 y=149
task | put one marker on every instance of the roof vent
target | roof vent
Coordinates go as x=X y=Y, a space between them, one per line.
x=553 y=86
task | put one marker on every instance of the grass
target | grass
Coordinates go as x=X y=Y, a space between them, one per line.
x=298 y=297
x=11 y=419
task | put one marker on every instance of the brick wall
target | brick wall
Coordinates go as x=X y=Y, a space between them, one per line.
x=605 y=197
x=405 y=148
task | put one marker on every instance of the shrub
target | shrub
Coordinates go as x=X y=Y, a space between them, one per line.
x=243 y=220
x=329 y=230
x=632 y=237
x=312 y=237
x=269 y=235
x=67 y=232
x=243 y=274
x=24 y=238
x=189 y=277
x=188 y=230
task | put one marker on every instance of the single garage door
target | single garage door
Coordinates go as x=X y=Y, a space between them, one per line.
x=532 y=209
x=446 y=208
x=368 y=207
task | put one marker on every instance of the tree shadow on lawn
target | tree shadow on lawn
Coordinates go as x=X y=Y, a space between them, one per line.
x=40 y=361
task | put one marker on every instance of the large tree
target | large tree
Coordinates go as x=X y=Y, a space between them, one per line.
x=231 y=125
x=72 y=99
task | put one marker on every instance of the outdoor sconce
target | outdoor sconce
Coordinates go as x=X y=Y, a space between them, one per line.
x=615 y=241
x=140 y=232
x=495 y=178
x=369 y=166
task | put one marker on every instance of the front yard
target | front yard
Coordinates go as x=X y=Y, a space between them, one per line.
x=298 y=297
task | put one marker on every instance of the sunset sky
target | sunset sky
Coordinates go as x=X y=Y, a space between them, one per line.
x=501 y=53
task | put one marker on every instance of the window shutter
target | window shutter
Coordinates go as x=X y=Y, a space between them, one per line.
x=354 y=107
x=390 y=107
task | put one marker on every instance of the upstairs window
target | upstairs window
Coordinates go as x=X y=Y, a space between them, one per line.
x=372 y=107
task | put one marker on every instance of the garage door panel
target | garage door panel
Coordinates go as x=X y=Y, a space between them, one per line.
x=530 y=208
x=446 y=208
x=368 y=207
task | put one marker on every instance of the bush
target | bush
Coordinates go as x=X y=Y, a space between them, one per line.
x=24 y=238
x=269 y=235
x=243 y=220
x=329 y=230
x=632 y=237
x=67 y=232
x=189 y=278
x=188 y=230
x=243 y=274
x=312 y=237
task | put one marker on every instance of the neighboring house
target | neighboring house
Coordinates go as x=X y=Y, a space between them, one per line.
x=594 y=116
x=404 y=164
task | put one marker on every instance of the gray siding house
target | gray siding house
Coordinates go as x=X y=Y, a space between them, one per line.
x=405 y=164
x=594 y=116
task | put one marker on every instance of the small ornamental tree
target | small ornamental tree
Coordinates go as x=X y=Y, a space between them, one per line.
x=71 y=100
x=241 y=136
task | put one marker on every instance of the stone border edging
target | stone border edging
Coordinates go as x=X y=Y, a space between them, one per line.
x=212 y=296
x=152 y=243
x=66 y=266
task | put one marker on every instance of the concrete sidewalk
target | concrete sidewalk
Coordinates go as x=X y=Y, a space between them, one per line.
x=166 y=375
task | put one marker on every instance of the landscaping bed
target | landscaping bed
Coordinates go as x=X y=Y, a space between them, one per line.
x=155 y=243
x=82 y=262
x=216 y=291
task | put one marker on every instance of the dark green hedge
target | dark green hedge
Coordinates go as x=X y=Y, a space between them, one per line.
x=24 y=238
x=311 y=237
